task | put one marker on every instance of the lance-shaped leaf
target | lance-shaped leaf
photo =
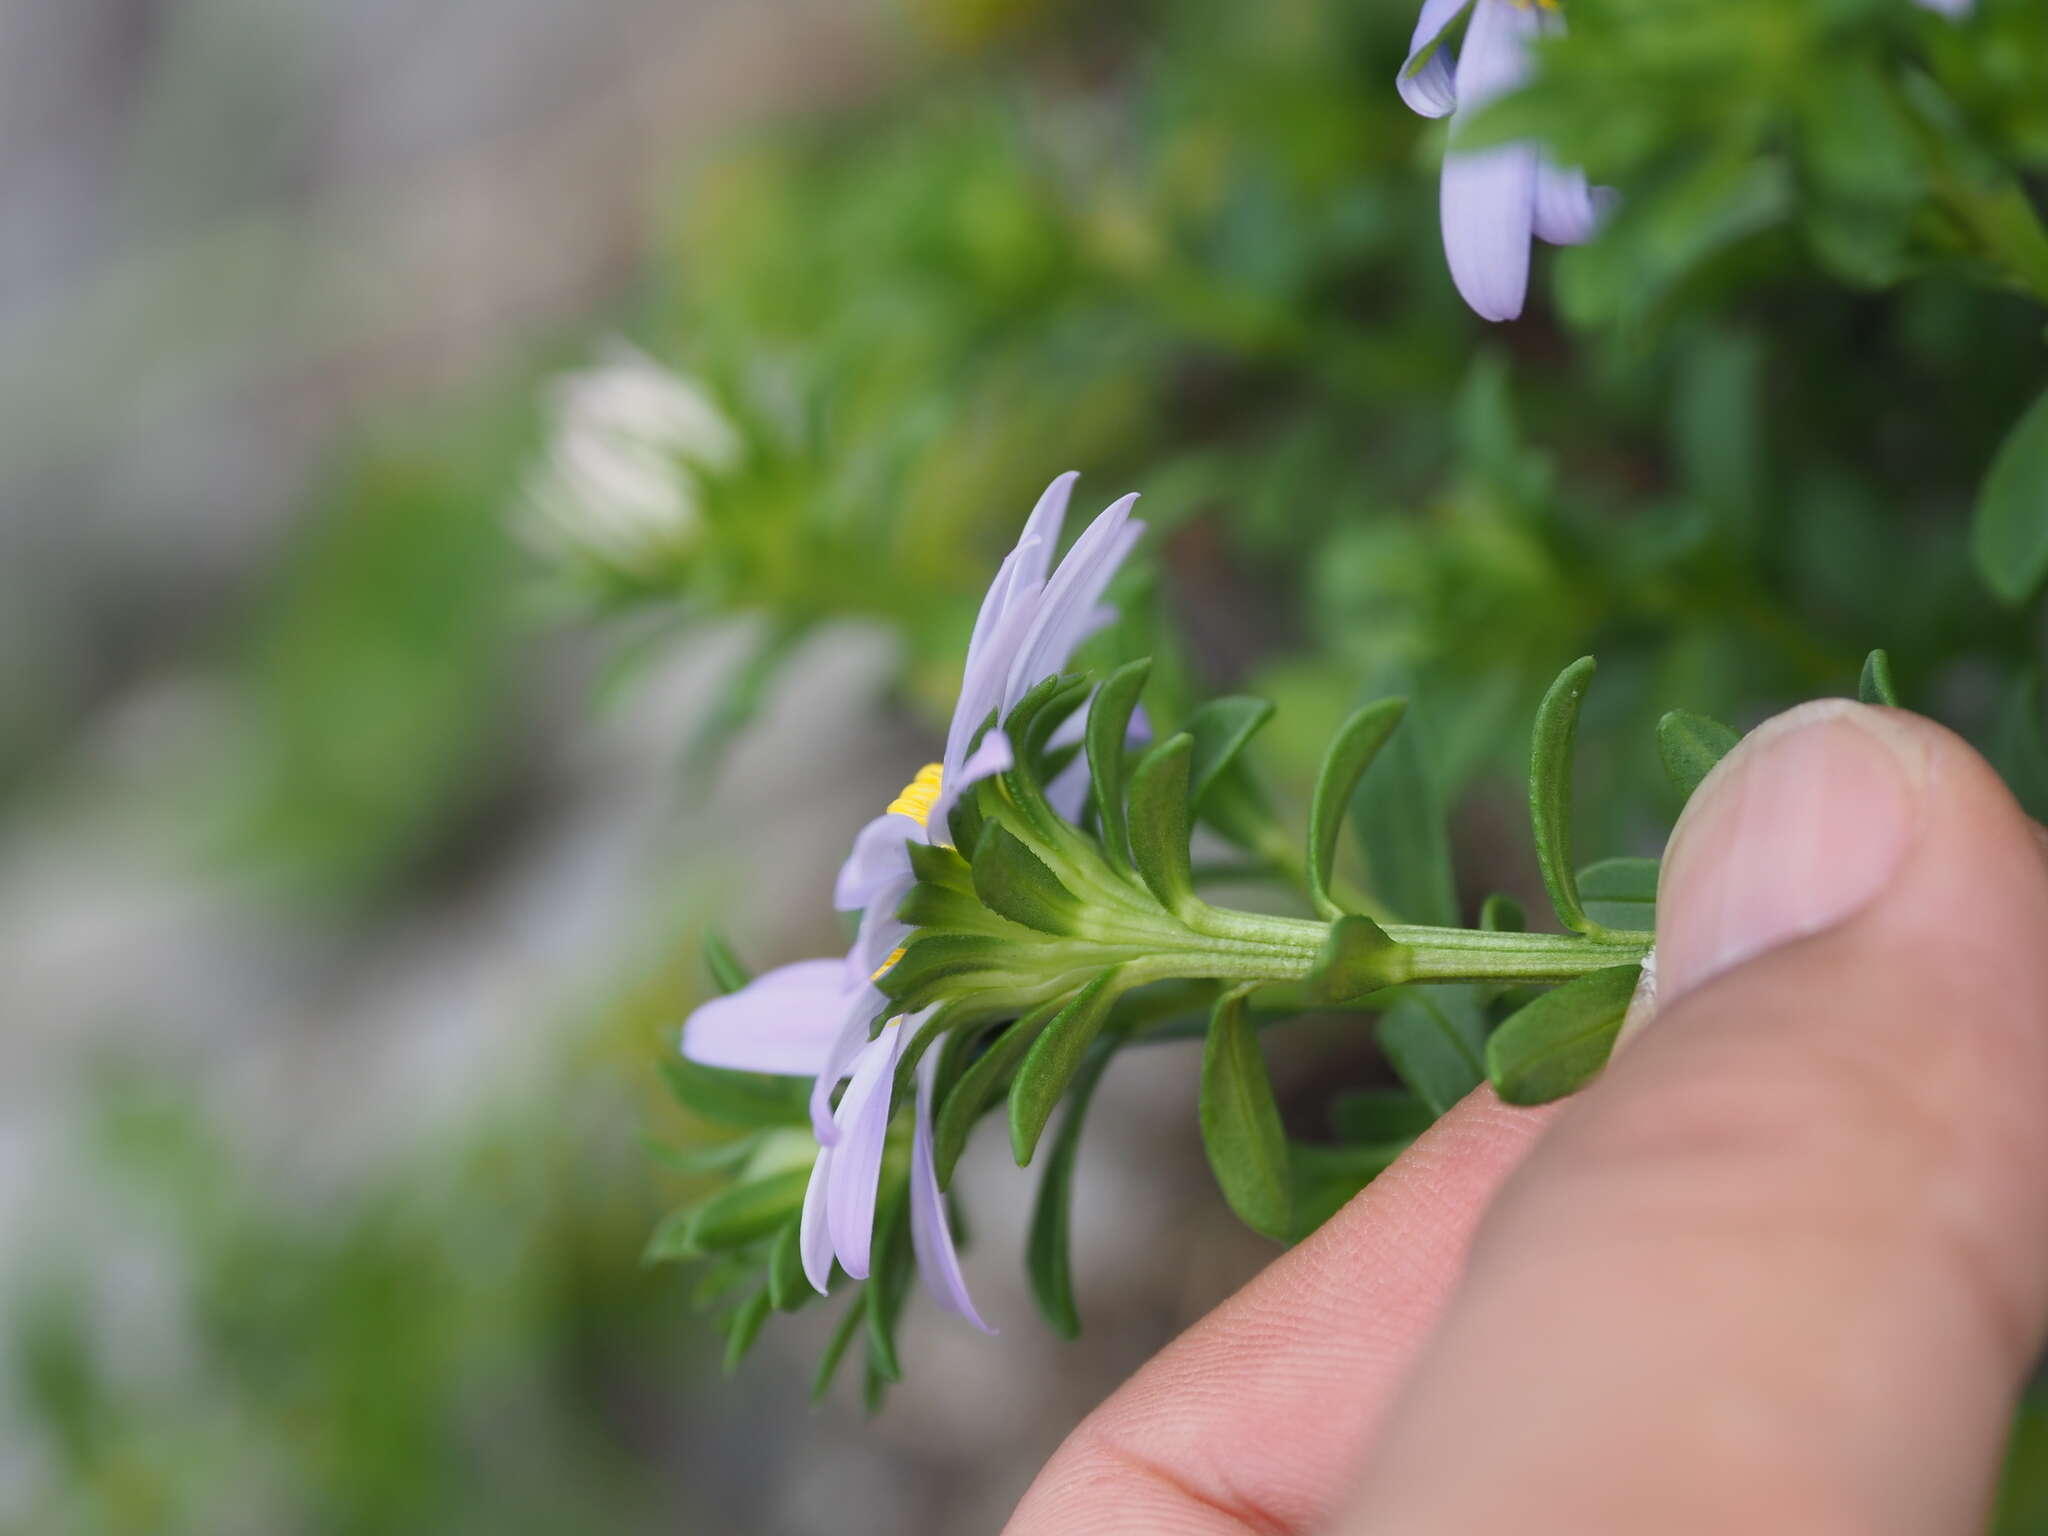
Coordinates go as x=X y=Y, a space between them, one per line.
x=1012 y=880
x=1241 y=1128
x=1053 y=1061
x=788 y=1288
x=979 y=1081
x=1556 y=1043
x=1875 y=686
x=888 y=1283
x=734 y=1217
x=2010 y=534
x=1690 y=746
x=835 y=1348
x=744 y=1328
x=724 y=967
x=1379 y=1115
x=715 y=1157
x=1550 y=790
x=1357 y=743
x=1501 y=913
x=1109 y=726
x=1398 y=814
x=1159 y=823
x=1357 y=958
x=1621 y=893
x=747 y=1099
x=1221 y=728
x=1435 y=1040
x=1046 y=1254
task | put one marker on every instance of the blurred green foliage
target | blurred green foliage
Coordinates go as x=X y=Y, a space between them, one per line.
x=1190 y=249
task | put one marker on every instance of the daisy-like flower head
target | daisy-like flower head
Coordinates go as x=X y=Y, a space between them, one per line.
x=1493 y=200
x=811 y=1019
x=629 y=442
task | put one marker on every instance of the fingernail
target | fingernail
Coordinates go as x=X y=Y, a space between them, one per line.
x=1796 y=831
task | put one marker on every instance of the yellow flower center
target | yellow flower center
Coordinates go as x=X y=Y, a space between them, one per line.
x=918 y=795
x=887 y=965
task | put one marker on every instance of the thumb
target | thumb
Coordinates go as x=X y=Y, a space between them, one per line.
x=1786 y=1265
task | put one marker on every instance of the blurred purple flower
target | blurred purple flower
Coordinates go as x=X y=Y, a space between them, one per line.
x=811 y=1019
x=1493 y=199
x=1952 y=8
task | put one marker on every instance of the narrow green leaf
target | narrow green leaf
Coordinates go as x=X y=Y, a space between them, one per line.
x=835 y=1348
x=788 y=1287
x=1556 y=1043
x=1159 y=823
x=1053 y=1060
x=1621 y=893
x=1875 y=686
x=670 y=1239
x=713 y=1157
x=1221 y=729
x=1435 y=1039
x=1357 y=958
x=1379 y=1114
x=1501 y=913
x=746 y=1099
x=888 y=1284
x=727 y=974
x=1014 y=882
x=1550 y=790
x=744 y=1329
x=1046 y=1255
x=979 y=1083
x=1241 y=1123
x=1398 y=817
x=1690 y=746
x=1109 y=724
x=1324 y=1179
x=2010 y=534
x=745 y=1213
x=1356 y=744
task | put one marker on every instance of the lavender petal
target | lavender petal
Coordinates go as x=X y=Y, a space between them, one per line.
x=1431 y=89
x=878 y=860
x=931 y=1234
x=813 y=1238
x=783 y=1021
x=863 y=1120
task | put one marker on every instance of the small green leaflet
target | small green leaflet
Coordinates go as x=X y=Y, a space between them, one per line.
x=1690 y=745
x=1357 y=743
x=1621 y=893
x=1159 y=823
x=2009 y=536
x=1241 y=1123
x=1109 y=721
x=1555 y=1044
x=1550 y=790
x=1046 y=1254
x=1435 y=1038
x=1875 y=685
x=1053 y=1060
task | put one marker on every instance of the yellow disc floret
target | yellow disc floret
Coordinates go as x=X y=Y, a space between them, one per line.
x=918 y=795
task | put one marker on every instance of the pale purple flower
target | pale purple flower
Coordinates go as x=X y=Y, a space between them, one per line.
x=1955 y=9
x=1493 y=199
x=811 y=1019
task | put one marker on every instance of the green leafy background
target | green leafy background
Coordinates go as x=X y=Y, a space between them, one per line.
x=1788 y=409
